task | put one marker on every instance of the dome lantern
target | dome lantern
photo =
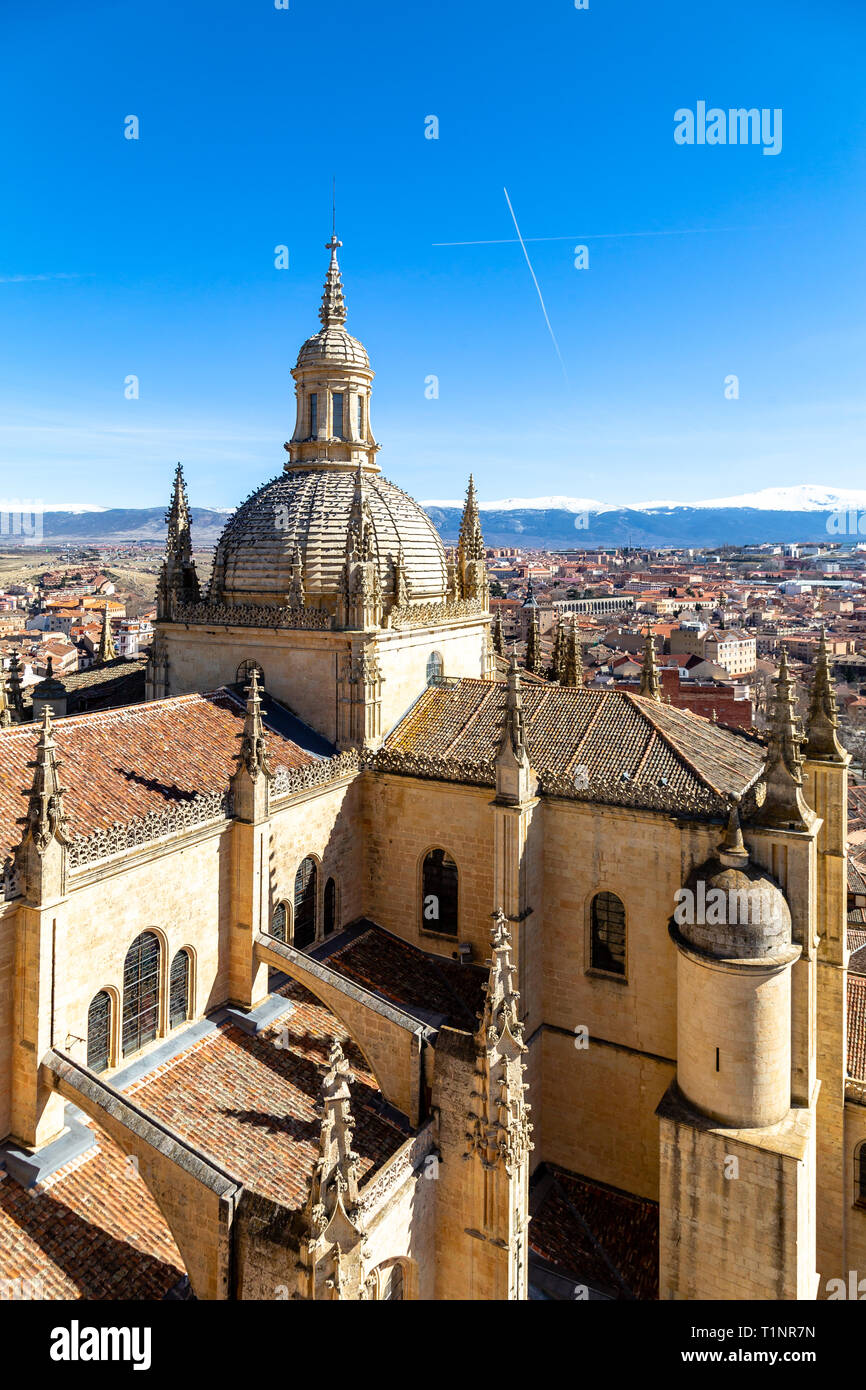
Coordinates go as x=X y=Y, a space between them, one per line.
x=332 y=389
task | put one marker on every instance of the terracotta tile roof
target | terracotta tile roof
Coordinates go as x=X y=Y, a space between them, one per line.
x=120 y=764
x=410 y=977
x=857 y=1026
x=250 y=1102
x=600 y=1236
x=91 y=1231
x=856 y=881
x=611 y=732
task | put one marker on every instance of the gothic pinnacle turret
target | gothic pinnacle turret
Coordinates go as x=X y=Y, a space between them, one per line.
x=16 y=694
x=822 y=722
x=45 y=819
x=333 y=1253
x=573 y=668
x=782 y=778
x=253 y=753
x=496 y=634
x=532 y=660
x=515 y=781
x=556 y=670
x=178 y=581
x=471 y=563
x=5 y=712
x=650 y=685
x=107 y=650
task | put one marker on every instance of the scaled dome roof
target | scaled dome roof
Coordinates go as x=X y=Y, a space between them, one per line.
x=336 y=347
x=306 y=514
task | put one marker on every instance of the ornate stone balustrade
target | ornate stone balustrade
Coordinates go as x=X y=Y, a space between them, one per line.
x=856 y=1091
x=406 y=1161
x=481 y=774
x=290 y=780
x=614 y=791
x=251 y=615
x=199 y=810
x=434 y=614
x=10 y=880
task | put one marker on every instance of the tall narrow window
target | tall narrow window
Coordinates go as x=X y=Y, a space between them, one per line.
x=178 y=990
x=338 y=415
x=280 y=922
x=435 y=668
x=141 y=992
x=330 y=907
x=607 y=926
x=360 y=417
x=439 y=893
x=306 y=883
x=860 y=1174
x=314 y=415
x=99 y=1031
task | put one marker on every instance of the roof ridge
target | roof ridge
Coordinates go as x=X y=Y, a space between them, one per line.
x=669 y=742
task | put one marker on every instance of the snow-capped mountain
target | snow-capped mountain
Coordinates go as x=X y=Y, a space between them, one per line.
x=803 y=497
x=803 y=512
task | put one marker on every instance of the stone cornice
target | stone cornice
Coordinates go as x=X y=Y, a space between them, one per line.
x=251 y=615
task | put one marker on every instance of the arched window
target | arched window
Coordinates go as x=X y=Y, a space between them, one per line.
x=141 y=992
x=860 y=1174
x=306 y=884
x=280 y=922
x=178 y=990
x=245 y=670
x=435 y=668
x=99 y=1031
x=607 y=934
x=439 y=893
x=330 y=907
x=390 y=1282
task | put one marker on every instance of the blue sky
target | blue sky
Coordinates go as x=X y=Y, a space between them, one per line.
x=156 y=257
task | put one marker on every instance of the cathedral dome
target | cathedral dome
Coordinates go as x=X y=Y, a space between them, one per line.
x=333 y=346
x=300 y=521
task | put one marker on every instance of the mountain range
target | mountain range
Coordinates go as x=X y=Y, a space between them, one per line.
x=806 y=512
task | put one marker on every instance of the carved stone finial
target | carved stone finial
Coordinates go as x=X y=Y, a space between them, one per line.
x=107 y=650
x=573 y=667
x=496 y=634
x=822 y=722
x=783 y=804
x=333 y=1214
x=732 y=851
x=253 y=753
x=16 y=694
x=500 y=1129
x=333 y=310
x=45 y=820
x=178 y=579
x=532 y=659
x=471 y=564
x=5 y=712
x=650 y=684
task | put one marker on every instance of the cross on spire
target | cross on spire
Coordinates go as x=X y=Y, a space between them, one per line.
x=333 y=310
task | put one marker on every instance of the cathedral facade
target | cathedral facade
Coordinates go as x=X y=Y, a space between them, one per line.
x=350 y=966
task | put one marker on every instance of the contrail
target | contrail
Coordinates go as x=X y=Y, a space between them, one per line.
x=536 y=284
x=602 y=236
